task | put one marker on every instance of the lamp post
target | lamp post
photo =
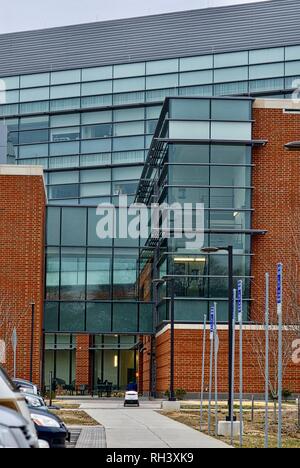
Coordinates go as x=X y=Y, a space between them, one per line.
x=172 y=396
x=32 y=340
x=229 y=250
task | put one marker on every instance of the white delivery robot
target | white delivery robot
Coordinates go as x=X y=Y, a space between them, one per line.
x=131 y=398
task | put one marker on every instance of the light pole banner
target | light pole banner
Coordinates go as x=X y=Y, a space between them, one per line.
x=240 y=300
x=212 y=322
x=279 y=288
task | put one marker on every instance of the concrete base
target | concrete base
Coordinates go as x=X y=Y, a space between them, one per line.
x=224 y=429
x=170 y=406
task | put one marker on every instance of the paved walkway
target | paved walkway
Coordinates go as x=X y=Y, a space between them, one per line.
x=144 y=427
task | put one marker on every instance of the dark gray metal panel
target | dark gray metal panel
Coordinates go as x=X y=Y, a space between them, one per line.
x=237 y=27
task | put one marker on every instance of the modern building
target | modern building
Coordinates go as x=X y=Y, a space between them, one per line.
x=84 y=102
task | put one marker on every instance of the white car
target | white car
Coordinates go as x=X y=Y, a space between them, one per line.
x=12 y=399
x=131 y=398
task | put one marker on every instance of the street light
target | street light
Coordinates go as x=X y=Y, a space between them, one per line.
x=163 y=280
x=228 y=249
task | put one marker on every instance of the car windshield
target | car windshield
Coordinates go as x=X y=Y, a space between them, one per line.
x=4 y=376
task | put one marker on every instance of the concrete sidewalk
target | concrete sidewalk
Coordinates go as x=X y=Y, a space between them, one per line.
x=144 y=427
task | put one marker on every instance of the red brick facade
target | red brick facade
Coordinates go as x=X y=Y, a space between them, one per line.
x=22 y=222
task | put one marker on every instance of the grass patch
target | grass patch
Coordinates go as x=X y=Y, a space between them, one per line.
x=253 y=431
x=75 y=418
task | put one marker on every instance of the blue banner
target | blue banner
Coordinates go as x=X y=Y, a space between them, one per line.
x=240 y=297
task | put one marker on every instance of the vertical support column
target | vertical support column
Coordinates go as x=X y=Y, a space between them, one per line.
x=82 y=360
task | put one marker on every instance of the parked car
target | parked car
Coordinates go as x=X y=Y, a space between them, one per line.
x=26 y=386
x=13 y=430
x=12 y=399
x=50 y=428
x=35 y=401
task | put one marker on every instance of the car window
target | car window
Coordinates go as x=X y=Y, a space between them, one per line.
x=4 y=376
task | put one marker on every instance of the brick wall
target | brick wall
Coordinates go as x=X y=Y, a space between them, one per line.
x=83 y=360
x=22 y=221
x=188 y=362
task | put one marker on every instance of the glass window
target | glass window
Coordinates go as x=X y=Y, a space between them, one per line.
x=96 y=117
x=65 y=134
x=225 y=154
x=72 y=278
x=69 y=76
x=98 y=73
x=8 y=97
x=231 y=59
x=231 y=131
x=51 y=317
x=189 y=130
x=95 y=159
x=125 y=318
x=63 y=177
x=130 y=84
x=97 y=131
x=230 y=198
x=196 y=78
x=53 y=229
x=126 y=173
x=196 y=63
x=226 y=109
x=33 y=151
x=188 y=175
x=127 y=157
x=93 y=239
x=292 y=68
x=153 y=112
x=265 y=85
x=129 y=143
x=266 y=55
x=65 y=91
x=190 y=109
x=31 y=81
x=95 y=189
x=100 y=87
x=162 y=66
x=292 y=53
x=225 y=89
x=52 y=273
x=130 y=69
x=129 y=98
x=266 y=71
x=125 y=274
x=125 y=188
x=124 y=115
x=197 y=154
x=74 y=226
x=99 y=270
x=57 y=149
x=230 y=220
x=37 y=94
x=189 y=195
x=95 y=175
x=70 y=191
x=98 y=317
x=129 y=128
x=64 y=120
x=9 y=109
x=162 y=81
x=11 y=82
x=72 y=316
x=231 y=74
x=96 y=101
x=66 y=161
x=64 y=104
x=95 y=146
x=231 y=176
x=28 y=123
x=36 y=136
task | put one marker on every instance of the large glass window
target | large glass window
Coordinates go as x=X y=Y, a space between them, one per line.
x=196 y=78
x=28 y=123
x=162 y=66
x=266 y=55
x=73 y=226
x=227 y=109
x=98 y=317
x=125 y=317
x=266 y=71
x=129 y=84
x=72 y=316
x=125 y=274
x=188 y=175
x=65 y=91
x=72 y=281
x=38 y=94
x=99 y=270
x=88 y=118
x=37 y=136
x=196 y=63
x=69 y=76
x=98 y=73
x=129 y=128
x=130 y=69
x=64 y=134
x=162 y=81
x=190 y=109
x=100 y=87
x=236 y=131
x=32 y=81
x=231 y=59
x=189 y=130
x=231 y=74
x=188 y=154
x=97 y=131
x=52 y=273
